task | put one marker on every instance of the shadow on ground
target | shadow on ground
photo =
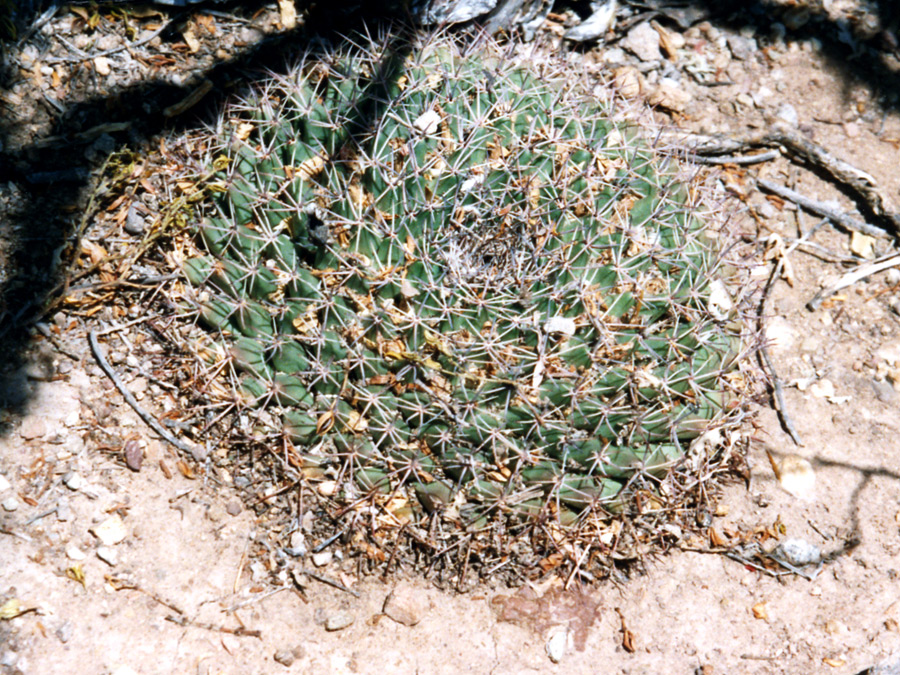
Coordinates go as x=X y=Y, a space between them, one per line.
x=56 y=180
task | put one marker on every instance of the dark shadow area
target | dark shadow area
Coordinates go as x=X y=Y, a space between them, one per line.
x=851 y=536
x=866 y=474
x=55 y=180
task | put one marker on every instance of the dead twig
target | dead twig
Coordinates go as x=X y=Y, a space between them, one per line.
x=782 y=137
x=180 y=617
x=195 y=452
x=822 y=209
x=189 y=623
x=740 y=159
x=44 y=330
x=115 y=50
x=826 y=255
x=851 y=277
x=330 y=582
x=778 y=393
x=777 y=387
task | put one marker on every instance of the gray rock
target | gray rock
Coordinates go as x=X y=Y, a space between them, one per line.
x=250 y=35
x=883 y=668
x=643 y=42
x=73 y=481
x=765 y=210
x=788 y=113
x=298 y=547
x=285 y=657
x=32 y=428
x=65 y=632
x=323 y=558
x=339 y=621
x=557 y=644
x=884 y=391
x=134 y=222
x=108 y=555
x=741 y=47
x=457 y=11
x=134 y=455
x=596 y=24
x=63 y=510
x=41 y=365
x=798 y=552
x=75 y=553
x=404 y=605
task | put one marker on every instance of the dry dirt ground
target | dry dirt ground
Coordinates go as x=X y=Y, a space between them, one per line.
x=120 y=571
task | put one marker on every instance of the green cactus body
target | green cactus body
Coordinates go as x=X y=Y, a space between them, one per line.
x=490 y=289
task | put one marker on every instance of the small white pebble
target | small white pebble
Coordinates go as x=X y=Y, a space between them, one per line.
x=322 y=558
x=428 y=122
x=74 y=481
x=560 y=324
x=557 y=643
x=101 y=65
x=111 y=531
x=75 y=553
x=108 y=555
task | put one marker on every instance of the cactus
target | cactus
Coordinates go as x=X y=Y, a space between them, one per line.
x=473 y=282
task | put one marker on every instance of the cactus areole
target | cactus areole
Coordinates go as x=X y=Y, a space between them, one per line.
x=462 y=284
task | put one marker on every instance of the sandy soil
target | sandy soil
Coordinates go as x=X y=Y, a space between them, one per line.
x=148 y=571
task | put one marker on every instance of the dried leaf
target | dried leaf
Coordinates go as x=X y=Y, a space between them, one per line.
x=666 y=43
x=311 y=167
x=288 y=13
x=10 y=609
x=243 y=130
x=356 y=422
x=94 y=251
x=551 y=562
x=862 y=245
x=191 y=40
x=185 y=469
x=76 y=573
x=715 y=539
x=627 y=636
x=325 y=422
x=206 y=22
